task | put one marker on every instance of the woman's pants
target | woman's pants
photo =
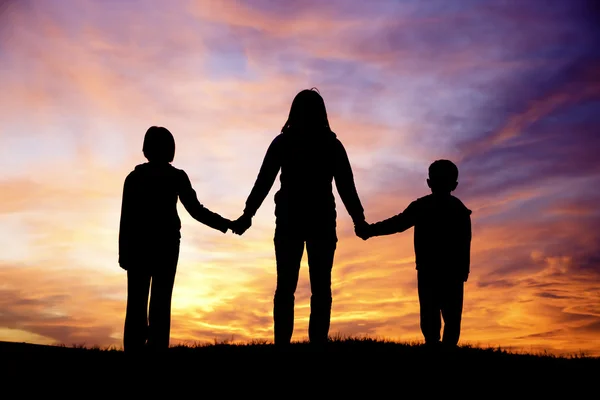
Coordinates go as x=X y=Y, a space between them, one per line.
x=288 y=254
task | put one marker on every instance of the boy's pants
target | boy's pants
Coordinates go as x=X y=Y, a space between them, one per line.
x=288 y=253
x=443 y=296
x=153 y=328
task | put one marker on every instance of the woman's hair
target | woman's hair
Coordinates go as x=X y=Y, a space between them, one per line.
x=159 y=144
x=307 y=112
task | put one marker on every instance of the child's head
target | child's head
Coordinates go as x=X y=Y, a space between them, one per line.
x=159 y=145
x=443 y=176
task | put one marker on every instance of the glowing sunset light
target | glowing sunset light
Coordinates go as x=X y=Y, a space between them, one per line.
x=509 y=91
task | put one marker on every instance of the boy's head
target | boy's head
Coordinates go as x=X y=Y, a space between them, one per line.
x=443 y=176
x=159 y=145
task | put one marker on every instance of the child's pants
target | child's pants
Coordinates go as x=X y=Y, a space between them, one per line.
x=440 y=296
x=150 y=327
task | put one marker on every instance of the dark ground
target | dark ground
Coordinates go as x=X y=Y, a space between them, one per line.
x=347 y=368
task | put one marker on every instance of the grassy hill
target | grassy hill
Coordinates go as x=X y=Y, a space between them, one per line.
x=349 y=366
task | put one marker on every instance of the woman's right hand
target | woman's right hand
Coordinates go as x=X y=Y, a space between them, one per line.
x=241 y=225
x=361 y=230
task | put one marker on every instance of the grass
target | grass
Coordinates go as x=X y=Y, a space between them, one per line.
x=352 y=364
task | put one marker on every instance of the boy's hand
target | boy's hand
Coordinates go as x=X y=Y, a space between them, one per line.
x=362 y=230
x=241 y=225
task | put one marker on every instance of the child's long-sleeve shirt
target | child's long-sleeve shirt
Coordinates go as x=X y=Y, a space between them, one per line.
x=149 y=218
x=442 y=237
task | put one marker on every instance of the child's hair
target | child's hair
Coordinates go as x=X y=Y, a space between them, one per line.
x=443 y=174
x=159 y=144
x=307 y=111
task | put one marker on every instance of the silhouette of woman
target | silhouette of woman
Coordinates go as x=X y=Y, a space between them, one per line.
x=310 y=157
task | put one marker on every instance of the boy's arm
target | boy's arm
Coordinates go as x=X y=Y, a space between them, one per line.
x=467 y=249
x=188 y=198
x=344 y=181
x=397 y=223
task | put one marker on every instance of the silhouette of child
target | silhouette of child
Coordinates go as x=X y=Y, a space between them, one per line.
x=442 y=242
x=149 y=237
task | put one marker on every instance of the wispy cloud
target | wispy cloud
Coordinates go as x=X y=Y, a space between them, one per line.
x=509 y=90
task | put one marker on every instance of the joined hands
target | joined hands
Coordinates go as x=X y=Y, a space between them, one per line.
x=362 y=230
x=241 y=225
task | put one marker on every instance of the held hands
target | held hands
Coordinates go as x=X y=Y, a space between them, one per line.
x=241 y=225
x=362 y=230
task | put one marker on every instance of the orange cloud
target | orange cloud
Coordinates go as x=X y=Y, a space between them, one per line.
x=74 y=125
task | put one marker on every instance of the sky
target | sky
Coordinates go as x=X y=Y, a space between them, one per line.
x=508 y=90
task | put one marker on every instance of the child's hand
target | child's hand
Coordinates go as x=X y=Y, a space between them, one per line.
x=229 y=224
x=362 y=230
x=241 y=225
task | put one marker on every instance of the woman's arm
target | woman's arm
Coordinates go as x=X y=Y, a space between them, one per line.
x=344 y=181
x=265 y=179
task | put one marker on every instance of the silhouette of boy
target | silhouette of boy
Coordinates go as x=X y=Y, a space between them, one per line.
x=442 y=242
x=149 y=237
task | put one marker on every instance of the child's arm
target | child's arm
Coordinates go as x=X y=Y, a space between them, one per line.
x=467 y=249
x=126 y=224
x=188 y=198
x=395 y=224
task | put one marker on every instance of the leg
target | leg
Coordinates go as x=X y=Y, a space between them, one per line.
x=288 y=253
x=320 y=264
x=136 y=319
x=452 y=305
x=163 y=280
x=430 y=308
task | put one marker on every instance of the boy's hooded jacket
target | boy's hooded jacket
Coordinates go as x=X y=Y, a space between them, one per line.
x=442 y=238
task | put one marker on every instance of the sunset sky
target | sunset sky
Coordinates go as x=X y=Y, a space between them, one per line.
x=509 y=90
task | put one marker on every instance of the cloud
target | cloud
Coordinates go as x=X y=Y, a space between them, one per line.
x=508 y=90
x=60 y=307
